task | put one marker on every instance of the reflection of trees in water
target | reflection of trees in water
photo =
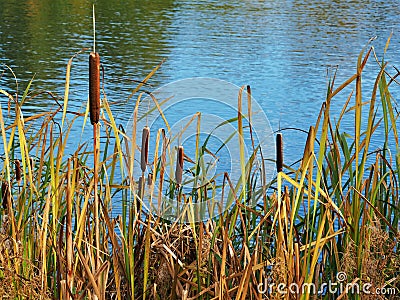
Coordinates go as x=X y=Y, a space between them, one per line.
x=38 y=37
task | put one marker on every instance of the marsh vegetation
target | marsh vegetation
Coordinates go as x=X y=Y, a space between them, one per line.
x=337 y=210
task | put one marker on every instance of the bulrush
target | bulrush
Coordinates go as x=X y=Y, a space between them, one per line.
x=94 y=87
x=18 y=176
x=5 y=194
x=145 y=148
x=179 y=165
x=248 y=88
x=94 y=109
x=279 y=152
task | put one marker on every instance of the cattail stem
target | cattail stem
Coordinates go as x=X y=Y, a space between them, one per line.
x=141 y=185
x=94 y=30
x=162 y=167
x=279 y=152
x=96 y=198
x=69 y=245
x=140 y=195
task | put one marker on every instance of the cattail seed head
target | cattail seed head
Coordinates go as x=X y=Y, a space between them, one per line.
x=145 y=148
x=94 y=87
x=279 y=152
x=5 y=194
x=18 y=176
x=179 y=165
x=150 y=179
x=248 y=88
x=31 y=163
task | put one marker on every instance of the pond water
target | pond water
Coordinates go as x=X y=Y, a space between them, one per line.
x=281 y=48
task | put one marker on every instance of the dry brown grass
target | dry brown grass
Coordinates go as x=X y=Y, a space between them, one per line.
x=14 y=283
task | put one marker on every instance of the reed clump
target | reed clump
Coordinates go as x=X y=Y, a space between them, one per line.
x=72 y=229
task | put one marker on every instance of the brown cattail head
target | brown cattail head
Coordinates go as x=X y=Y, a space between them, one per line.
x=18 y=176
x=164 y=149
x=145 y=148
x=279 y=152
x=248 y=90
x=31 y=163
x=150 y=179
x=179 y=165
x=5 y=194
x=94 y=87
